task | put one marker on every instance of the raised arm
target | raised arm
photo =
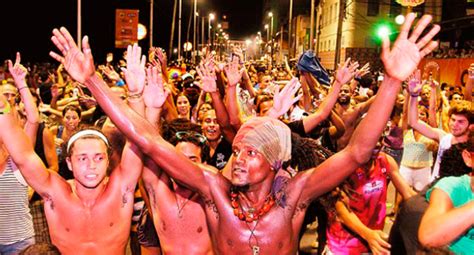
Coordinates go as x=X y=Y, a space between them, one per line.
x=18 y=71
x=414 y=88
x=20 y=148
x=399 y=63
x=343 y=75
x=80 y=66
x=131 y=163
x=209 y=85
x=284 y=99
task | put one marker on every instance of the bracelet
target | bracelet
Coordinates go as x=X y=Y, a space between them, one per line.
x=414 y=95
x=135 y=96
x=24 y=87
x=6 y=110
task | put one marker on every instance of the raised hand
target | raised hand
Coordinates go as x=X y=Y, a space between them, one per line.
x=284 y=99
x=135 y=72
x=414 y=83
x=233 y=73
x=346 y=72
x=110 y=72
x=18 y=71
x=407 y=52
x=79 y=64
x=363 y=70
x=208 y=78
x=155 y=93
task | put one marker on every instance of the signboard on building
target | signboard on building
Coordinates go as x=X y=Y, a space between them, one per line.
x=411 y=3
x=126 y=27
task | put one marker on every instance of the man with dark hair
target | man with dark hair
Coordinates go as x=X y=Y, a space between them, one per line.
x=92 y=213
x=254 y=212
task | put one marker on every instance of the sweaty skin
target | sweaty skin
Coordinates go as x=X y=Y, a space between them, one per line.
x=276 y=232
x=178 y=214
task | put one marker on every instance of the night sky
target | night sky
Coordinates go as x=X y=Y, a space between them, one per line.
x=27 y=25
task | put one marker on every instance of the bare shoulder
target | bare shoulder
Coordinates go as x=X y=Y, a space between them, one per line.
x=215 y=178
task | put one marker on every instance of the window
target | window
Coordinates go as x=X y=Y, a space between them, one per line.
x=330 y=13
x=373 y=7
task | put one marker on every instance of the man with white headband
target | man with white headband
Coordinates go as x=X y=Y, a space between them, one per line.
x=245 y=215
x=92 y=213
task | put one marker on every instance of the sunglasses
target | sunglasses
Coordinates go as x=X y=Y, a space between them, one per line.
x=185 y=135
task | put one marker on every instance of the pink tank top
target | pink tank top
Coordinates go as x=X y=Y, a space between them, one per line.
x=367 y=202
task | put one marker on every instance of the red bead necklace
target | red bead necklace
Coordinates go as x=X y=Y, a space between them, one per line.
x=252 y=214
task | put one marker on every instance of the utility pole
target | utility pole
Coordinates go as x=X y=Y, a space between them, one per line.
x=290 y=17
x=342 y=14
x=311 y=26
x=151 y=23
x=172 y=29
x=195 y=32
x=179 y=28
x=79 y=23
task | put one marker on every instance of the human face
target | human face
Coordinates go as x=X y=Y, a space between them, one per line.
x=249 y=166
x=425 y=94
x=266 y=81
x=71 y=120
x=344 y=95
x=400 y=101
x=265 y=107
x=458 y=125
x=422 y=114
x=88 y=162
x=190 y=150
x=204 y=108
x=456 y=98
x=183 y=105
x=9 y=92
x=210 y=127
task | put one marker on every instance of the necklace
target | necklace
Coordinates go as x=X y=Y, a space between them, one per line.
x=251 y=214
x=180 y=209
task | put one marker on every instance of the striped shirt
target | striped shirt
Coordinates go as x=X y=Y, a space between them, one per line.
x=15 y=219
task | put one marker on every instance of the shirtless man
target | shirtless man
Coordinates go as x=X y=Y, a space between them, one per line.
x=177 y=211
x=244 y=215
x=92 y=213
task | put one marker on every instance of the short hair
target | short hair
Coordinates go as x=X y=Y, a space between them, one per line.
x=262 y=100
x=463 y=108
x=74 y=108
x=195 y=138
x=69 y=152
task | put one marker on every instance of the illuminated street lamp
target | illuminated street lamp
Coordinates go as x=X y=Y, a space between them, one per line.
x=211 y=18
x=266 y=28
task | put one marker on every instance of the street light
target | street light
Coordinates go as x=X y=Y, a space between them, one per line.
x=211 y=18
x=266 y=28
x=270 y=14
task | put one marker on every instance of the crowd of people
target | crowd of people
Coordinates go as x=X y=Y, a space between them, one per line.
x=234 y=157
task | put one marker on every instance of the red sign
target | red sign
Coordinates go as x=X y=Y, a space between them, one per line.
x=126 y=27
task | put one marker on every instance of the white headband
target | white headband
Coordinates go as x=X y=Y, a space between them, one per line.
x=82 y=133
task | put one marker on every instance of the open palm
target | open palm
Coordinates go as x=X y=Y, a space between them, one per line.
x=79 y=64
x=403 y=59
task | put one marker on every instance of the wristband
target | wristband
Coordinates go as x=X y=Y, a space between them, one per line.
x=414 y=94
x=6 y=110
x=24 y=87
x=134 y=96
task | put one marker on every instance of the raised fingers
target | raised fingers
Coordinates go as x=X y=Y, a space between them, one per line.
x=420 y=27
